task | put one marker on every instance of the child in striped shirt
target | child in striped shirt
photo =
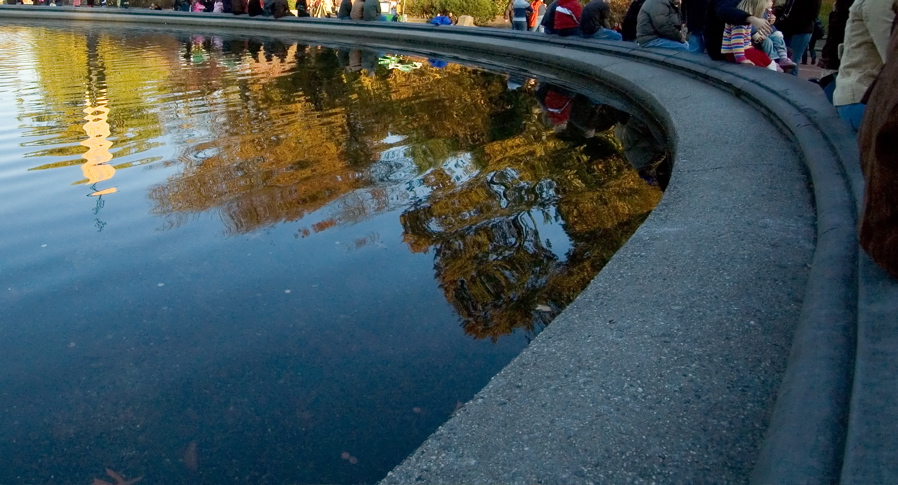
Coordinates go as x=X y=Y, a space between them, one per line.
x=737 y=46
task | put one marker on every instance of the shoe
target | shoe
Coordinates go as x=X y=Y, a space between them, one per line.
x=786 y=63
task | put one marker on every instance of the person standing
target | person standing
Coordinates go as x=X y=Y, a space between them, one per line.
x=536 y=16
x=548 y=22
x=838 y=19
x=521 y=11
x=659 y=25
x=863 y=55
x=819 y=33
x=795 y=20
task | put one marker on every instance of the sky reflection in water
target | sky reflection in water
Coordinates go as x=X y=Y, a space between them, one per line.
x=233 y=260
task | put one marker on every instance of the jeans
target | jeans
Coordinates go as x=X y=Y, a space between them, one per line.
x=604 y=34
x=519 y=25
x=853 y=114
x=539 y=26
x=774 y=46
x=696 y=42
x=768 y=48
x=666 y=44
x=799 y=44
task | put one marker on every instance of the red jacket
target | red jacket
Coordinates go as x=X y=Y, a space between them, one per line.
x=567 y=14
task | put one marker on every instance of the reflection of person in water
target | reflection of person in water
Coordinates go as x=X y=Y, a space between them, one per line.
x=644 y=151
x=275 y=48
x=556 y=103
x=576 y=118
x=354 y=60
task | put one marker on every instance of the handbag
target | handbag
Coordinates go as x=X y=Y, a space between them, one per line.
x=786 y=10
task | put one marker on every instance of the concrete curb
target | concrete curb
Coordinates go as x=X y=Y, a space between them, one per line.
x=806 y=433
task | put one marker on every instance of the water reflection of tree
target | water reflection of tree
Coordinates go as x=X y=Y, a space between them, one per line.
x=304 y=130
x=92 y=63
x=311 y=134
x=490 y=260
x=306 y=136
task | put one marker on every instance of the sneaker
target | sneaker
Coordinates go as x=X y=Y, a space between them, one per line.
x=785 y=63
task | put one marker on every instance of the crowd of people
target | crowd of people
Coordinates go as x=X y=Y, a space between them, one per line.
x=753 y=32
x=860 y=55
x=347 y=9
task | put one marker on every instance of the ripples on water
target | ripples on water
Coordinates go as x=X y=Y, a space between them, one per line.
x=232 y=260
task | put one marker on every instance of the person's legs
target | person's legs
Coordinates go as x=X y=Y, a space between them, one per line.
x=767 y=47
x=538 y=27
x=696 y=42
x=667 y=44
x=852 y=113
x=798 y=43
x=606 y=34
x=779 y=52
x=519 y=25
x=779 y=45
x=759 y=58
x=829 y=89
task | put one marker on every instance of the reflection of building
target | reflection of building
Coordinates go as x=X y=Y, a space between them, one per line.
x=95 y=168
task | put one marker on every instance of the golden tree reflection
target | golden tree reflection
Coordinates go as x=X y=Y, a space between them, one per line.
x=490 y=258
x=269 y=132
x=483 y=175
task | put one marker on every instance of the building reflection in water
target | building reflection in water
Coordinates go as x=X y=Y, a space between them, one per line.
x=96 y=168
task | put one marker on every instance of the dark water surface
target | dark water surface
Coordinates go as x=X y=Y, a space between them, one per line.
x=232 y=260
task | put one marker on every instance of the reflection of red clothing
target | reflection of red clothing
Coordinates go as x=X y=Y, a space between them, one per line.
x=567 y=14
x=558 y=107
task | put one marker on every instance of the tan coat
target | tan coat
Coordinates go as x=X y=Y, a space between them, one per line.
x=864 y=51
x=878 y=144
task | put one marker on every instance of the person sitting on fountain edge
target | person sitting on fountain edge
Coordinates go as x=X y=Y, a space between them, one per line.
x=659 y=25
x=594 y=21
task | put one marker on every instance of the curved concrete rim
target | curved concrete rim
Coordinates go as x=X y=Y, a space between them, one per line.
x=806 y=431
